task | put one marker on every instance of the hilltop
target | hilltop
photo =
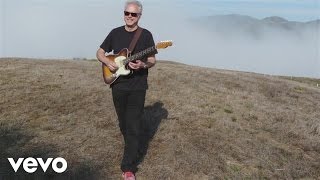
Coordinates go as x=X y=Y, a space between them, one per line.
x=204 y=123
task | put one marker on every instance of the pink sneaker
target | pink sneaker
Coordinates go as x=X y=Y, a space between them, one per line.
x=128 y=176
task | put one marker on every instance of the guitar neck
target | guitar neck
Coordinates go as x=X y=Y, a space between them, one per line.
x=140 y=54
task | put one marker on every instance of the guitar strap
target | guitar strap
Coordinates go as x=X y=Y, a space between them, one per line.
x=134 y=40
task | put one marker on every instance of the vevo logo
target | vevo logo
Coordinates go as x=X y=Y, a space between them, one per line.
x=30 y=164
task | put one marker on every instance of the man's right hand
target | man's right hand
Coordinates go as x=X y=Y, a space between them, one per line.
x=112 y=66
x=101 y=55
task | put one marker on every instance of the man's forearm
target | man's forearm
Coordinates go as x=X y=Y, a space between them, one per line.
x=102 y=57
x=151 y=61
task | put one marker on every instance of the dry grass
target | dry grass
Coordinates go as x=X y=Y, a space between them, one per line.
x=208 y=123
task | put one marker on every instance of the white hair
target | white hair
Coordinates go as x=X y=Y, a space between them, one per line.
x=135 y=2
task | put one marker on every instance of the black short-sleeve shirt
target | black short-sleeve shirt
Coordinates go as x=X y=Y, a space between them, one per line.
x=118 y=39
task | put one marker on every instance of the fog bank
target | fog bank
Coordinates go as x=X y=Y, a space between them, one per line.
x=51 y=29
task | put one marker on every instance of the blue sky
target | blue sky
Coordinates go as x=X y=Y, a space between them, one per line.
x=76 y=28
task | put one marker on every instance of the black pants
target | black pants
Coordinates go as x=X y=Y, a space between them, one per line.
x=129 y=106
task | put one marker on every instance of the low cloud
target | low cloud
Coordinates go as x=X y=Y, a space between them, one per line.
x=47 y=29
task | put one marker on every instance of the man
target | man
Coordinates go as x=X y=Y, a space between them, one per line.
x=129 y=91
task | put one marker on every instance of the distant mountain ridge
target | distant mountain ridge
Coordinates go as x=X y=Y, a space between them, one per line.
x=271 y=19
x=275 y=19
x=253 y=26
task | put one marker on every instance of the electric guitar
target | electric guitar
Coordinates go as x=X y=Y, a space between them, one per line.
x=122 y=59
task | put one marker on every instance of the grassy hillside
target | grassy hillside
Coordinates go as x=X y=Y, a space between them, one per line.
x=203 y=123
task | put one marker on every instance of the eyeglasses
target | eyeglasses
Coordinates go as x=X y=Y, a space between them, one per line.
x=126 y=13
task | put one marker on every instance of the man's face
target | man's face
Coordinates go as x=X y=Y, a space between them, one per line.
x=131 y=15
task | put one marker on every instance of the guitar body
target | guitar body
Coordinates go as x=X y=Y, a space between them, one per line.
x=122 y=59
x=108 y=76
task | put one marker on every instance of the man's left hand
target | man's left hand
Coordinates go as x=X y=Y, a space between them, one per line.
x=137 y=65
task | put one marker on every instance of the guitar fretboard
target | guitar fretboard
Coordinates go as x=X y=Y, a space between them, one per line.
x=139 y=55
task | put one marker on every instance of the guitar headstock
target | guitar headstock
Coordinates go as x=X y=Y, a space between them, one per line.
x=164 y=44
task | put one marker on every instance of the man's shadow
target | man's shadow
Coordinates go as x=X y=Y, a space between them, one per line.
x=153 y=115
